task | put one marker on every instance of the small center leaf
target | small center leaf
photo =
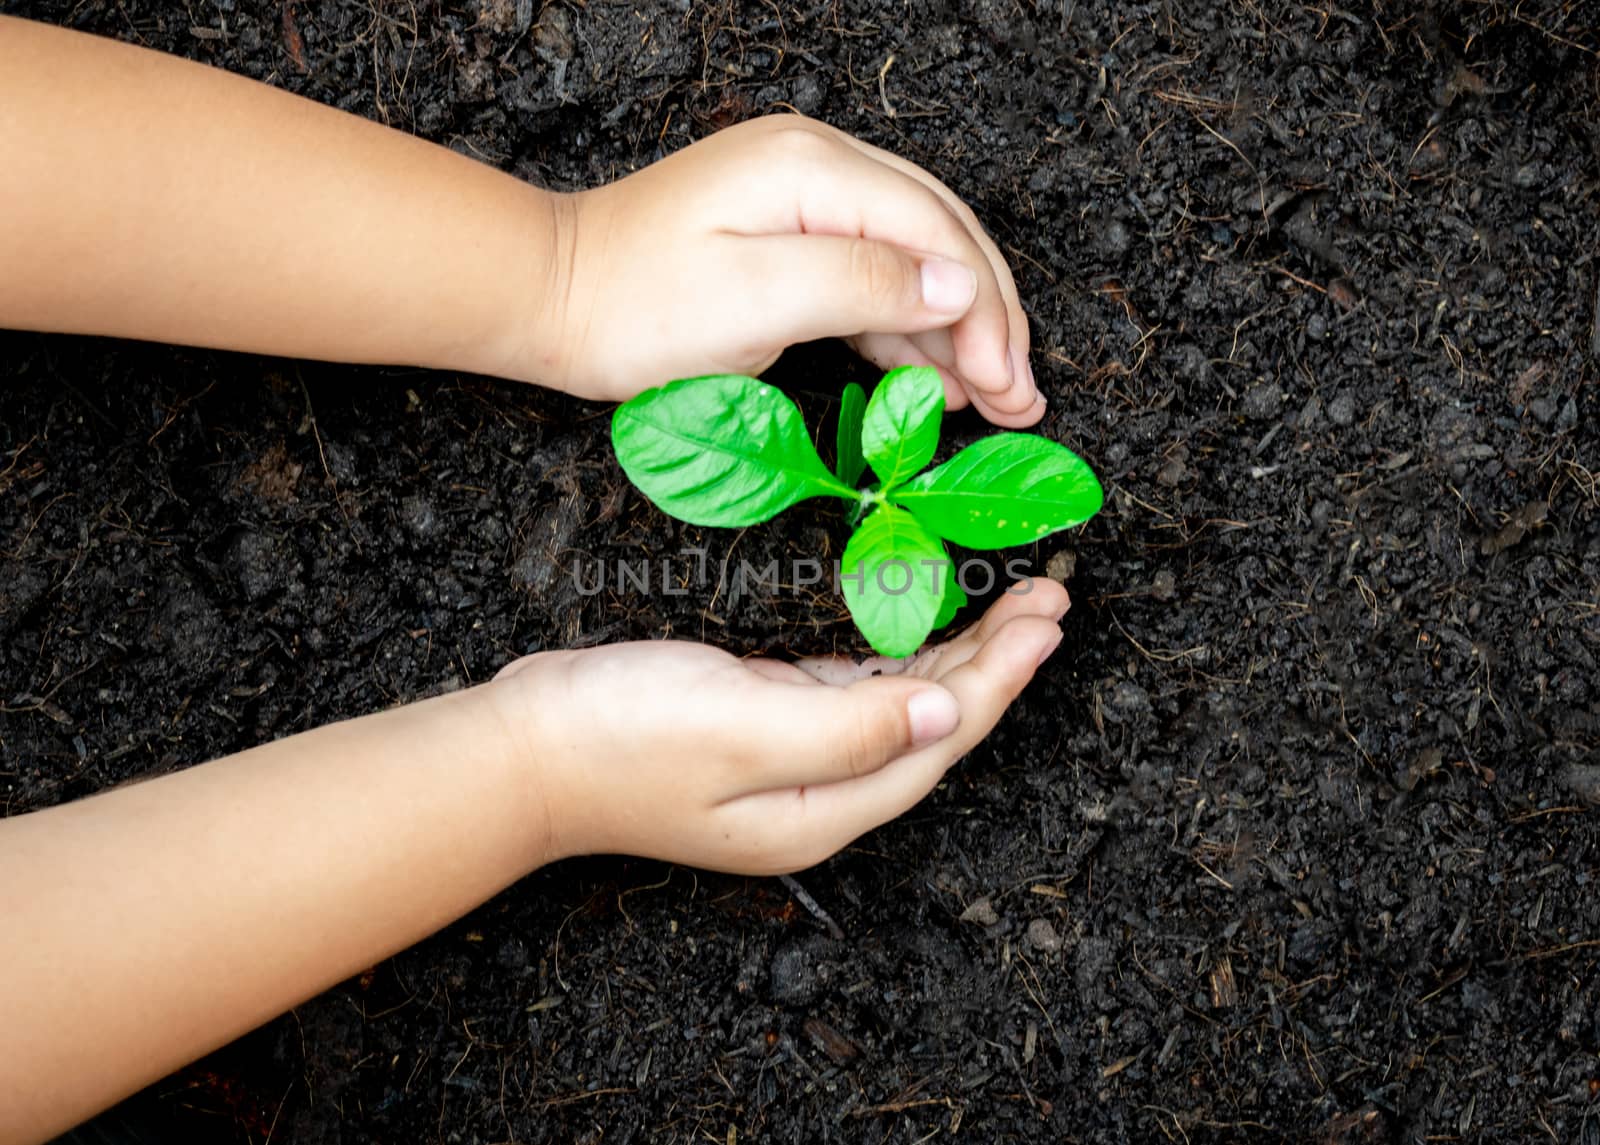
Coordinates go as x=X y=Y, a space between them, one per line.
x=849 y=460
x=900 y=429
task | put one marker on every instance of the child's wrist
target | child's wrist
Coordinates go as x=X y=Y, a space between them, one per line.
x=512 y=709
x=533 y=300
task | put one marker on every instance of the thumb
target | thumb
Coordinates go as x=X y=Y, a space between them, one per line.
x=827 y=286
x=827 y=734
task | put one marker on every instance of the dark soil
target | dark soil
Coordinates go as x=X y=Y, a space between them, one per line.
x=1295 y=837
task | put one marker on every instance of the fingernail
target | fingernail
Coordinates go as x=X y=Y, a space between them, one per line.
x=934 y=715
x=947 y=286
x=1044 y=653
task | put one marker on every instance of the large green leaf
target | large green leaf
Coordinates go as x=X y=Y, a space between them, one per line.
x=1005 y=490
x=892 y=594
x=722 y=450
x=849 y=460
x=900 y=430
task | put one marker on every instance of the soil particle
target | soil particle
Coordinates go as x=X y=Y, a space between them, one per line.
x=1042 y=936
x=187 y=626
x=830 y=1041
x=258 y=562
x=1263 y=401
x=421 y=518
x=552 y=549
x=1126 y=701
x=21 y=587
x=1363 y=1127
x=802 y=970
x=982 y=912
x=1517 y=527
x=1061 y=565
x=1092 y=967
x=1583 y=780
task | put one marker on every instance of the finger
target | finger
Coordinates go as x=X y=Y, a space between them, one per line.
x=1029 y=596
x=820 y=820
x=843 y=191
x=999 y=670
x=824 y=735
x=1034 y=596
x=823 y=286
x=953 y=202
x=1016 y=399
x=1024 y=598
x=933 y=348
x=985 y=686
x=996 y=416
x=1017 y=319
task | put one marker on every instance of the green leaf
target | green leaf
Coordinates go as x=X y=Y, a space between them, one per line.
x=722 y=450
x=900 y=430
x=849 y=460
x=893 y=596
x=953 y=600
x=1008 y=489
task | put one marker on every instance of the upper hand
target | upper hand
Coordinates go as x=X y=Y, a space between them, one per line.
x=676 y=751
x=776 y=231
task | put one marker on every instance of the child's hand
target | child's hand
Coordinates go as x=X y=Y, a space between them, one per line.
x=367 y=245
x=777 y=231
x=679 y=752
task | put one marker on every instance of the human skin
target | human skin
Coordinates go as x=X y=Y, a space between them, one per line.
x=145 y=197
x=145 y=926
x=148 y=197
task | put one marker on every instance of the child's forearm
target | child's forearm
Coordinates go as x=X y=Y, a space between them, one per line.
x=147 y=925
x=148 y=197
x=151 y=198
x=144 y=926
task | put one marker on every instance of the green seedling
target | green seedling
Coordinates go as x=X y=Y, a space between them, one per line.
x=730 y=451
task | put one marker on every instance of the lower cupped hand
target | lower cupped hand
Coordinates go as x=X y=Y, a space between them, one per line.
x=677 y=751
